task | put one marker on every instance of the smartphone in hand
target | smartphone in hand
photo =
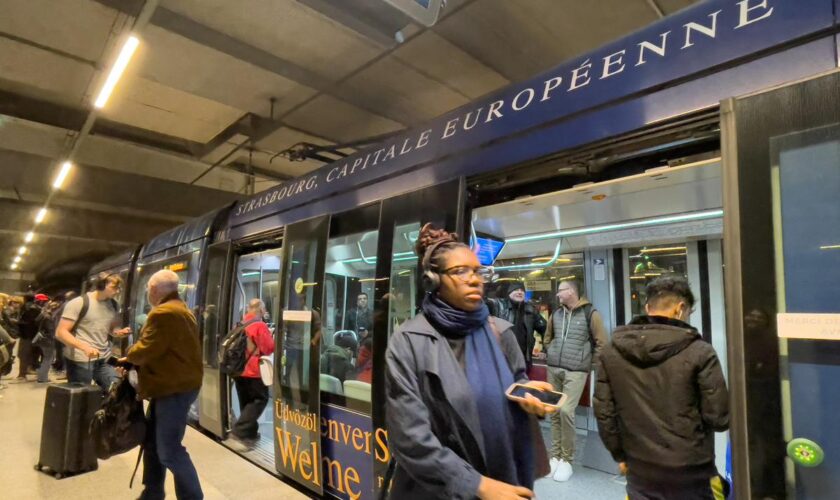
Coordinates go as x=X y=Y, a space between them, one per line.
x=517 y=392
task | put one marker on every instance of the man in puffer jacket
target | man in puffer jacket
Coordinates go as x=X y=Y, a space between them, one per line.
x=573 y=339
x=659 y=399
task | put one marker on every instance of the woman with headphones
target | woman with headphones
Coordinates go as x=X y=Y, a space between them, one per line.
x=451 y=429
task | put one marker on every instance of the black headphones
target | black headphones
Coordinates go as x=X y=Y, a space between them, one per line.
x=431 y=279
x=102 y=280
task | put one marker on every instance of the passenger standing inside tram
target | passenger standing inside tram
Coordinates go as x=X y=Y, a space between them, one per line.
x=451 y=429
x=573 y=339
x=359 y=318
x=250 y=389
x=524 y=317
x=660 y=398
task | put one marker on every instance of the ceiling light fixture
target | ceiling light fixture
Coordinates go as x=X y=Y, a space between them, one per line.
x=830 y=247
x=117 y=71
x=29 y=236
x=14 y=266
x=17 y=258
x=41 y=215
x=22 y=250
x=62 y=174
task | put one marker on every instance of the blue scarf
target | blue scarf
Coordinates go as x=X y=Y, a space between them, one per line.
x=504 y=426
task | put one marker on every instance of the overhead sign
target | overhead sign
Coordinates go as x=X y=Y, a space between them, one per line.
x=808 y=326
x=698 y=39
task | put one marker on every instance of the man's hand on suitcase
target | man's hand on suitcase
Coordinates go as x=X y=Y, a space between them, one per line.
x=91 y=352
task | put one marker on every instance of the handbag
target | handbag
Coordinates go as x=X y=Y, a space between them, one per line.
x=267 y=369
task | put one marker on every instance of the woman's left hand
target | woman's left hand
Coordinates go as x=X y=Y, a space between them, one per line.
x=535 y=406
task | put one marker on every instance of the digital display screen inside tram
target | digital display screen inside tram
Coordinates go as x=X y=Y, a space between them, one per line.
x=487 y=247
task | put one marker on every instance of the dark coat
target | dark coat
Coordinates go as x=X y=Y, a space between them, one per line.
x=660 y=397
x=530 y=322
x=433 y=426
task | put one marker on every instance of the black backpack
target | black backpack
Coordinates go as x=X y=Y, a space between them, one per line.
x=233 y=353
x=119 y=425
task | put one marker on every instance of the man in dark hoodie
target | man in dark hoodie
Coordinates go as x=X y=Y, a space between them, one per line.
x=659 y=399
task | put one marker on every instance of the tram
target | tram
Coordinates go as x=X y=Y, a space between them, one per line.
x=705 y=145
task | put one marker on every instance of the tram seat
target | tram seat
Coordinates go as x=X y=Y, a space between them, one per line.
x=328 y=383
x=357 y=389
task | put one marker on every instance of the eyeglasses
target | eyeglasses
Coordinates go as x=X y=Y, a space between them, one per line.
x=466 y=273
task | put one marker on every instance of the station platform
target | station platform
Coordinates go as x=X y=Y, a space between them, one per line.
x=223 y=474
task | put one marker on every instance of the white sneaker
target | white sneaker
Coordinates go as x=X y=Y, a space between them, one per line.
x=553 y=463
x=564 y=472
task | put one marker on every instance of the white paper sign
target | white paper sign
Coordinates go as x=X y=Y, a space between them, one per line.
x=297 y=316
x=600 y=271
x=808 y=326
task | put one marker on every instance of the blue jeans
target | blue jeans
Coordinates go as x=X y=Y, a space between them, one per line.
x=163 y=449
x=47 y=359
x=97 y=370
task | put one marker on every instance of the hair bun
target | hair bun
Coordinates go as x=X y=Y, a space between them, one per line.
x=430 y=235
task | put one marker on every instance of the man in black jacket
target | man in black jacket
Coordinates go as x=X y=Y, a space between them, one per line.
x=659 y=399
x=522 y=315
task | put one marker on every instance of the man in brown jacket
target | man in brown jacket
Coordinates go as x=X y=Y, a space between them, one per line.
x=168 y=357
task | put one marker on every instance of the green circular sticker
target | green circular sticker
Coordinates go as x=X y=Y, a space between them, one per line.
x=805 y=452
x=299 y=286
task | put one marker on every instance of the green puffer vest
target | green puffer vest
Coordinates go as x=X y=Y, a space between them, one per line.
x=573 y=351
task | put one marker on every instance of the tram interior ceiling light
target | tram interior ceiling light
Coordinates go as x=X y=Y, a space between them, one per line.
x=62 y=175
x=661 y=249
x=42 y=214
x=830 y=247
x=117 y=71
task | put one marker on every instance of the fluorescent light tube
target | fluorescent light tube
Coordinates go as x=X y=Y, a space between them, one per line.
x=29 y=236
x=117 y=71
x=41 y=215
x=62 y=174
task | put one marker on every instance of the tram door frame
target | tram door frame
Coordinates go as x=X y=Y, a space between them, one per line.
x=443 y=205
x=755 y=131
x=213 y=396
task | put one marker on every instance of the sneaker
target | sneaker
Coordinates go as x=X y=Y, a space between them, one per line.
x=564 y=472
x=553 y=463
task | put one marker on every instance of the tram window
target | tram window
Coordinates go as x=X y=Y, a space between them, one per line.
x=257 y=277
x=651 y=262
x=404 y=277
x=186 y=287
x=346 y=358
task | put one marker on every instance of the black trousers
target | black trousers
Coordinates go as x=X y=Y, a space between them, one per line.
x=716 y=488
x=26 y=356
x=253 y=398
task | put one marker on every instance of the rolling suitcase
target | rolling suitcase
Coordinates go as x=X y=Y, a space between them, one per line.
x=66 y=446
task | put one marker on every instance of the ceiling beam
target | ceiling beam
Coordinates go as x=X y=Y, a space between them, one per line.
x=204 y=35
x=69 y=118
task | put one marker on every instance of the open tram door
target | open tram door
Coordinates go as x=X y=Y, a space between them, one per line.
x=297 y=427
x=781 y=152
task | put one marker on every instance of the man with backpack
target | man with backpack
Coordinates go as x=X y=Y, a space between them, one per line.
x=85 y=326
x=574 y=337
x=250 y=389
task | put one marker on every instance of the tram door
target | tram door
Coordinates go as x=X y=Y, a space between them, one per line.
x=256 y=296
x=298 y=340
x=782 y=234
x=213 y=394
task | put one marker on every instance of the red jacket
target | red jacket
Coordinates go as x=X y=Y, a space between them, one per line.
x=260 y=337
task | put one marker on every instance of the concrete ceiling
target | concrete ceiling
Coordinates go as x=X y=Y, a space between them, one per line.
x=232 y=85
